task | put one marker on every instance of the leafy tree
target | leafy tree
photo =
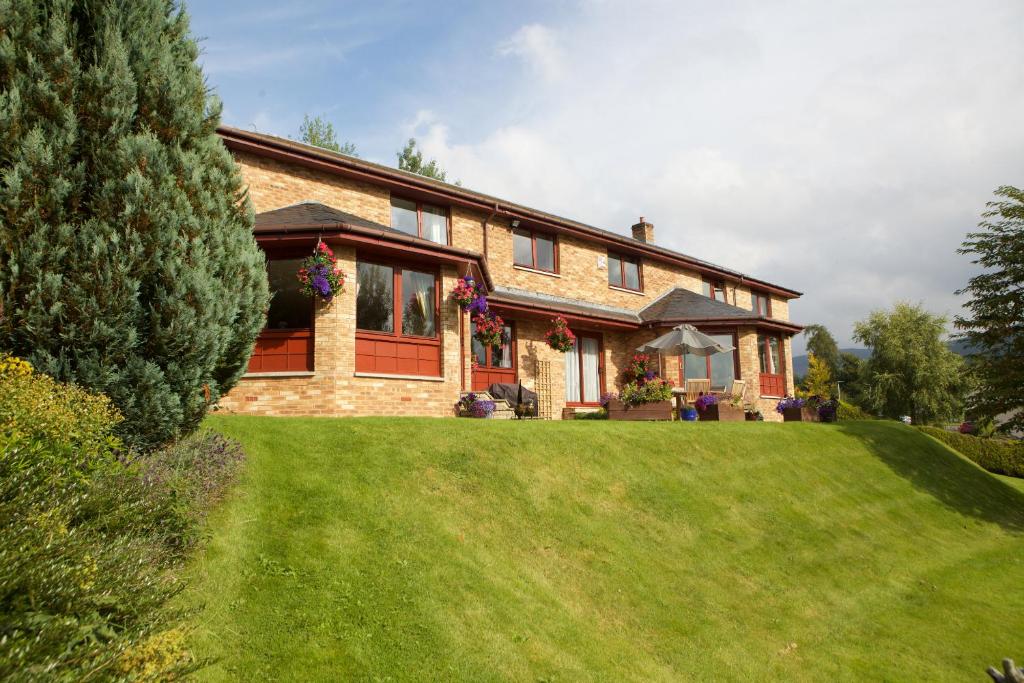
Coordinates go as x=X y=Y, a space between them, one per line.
x=911 y=370
x=995 y=327
x=127 y=262
x=411 y=159
x=818 y=381
x=849 y=375
x=822 y=344
x=320 y=133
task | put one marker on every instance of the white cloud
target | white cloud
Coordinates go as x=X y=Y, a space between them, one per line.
x=839 y=148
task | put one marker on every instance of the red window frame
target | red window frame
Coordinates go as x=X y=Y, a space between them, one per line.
x=419 y=217
x=711 y=287
x=756 y=297
x=285 y=350
x=600 y=370
x=532 y=234
x=623 y=259
x=396 y=344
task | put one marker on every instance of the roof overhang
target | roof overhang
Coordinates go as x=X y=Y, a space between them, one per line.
x=760 y=323
x=425 y=188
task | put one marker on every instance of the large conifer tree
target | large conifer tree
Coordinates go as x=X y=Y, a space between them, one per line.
x=127 y=262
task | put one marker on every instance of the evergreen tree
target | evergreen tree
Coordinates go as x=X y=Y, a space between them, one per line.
x=411 y=159
x=995 y=329
x=911 y=370
x=818 y=381
x=320 y=133
x=822 y=344
x=127 y=262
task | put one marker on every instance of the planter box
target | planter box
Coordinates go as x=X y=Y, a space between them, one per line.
x=709 y=414
x=727 y=412
x=792 y=415
x=617 y=410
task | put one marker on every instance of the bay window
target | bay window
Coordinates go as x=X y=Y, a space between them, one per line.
x=720 y=368
x=420 y=220
x=396 y=320
x=534 y=250
x=286 y=343
x=624 y=271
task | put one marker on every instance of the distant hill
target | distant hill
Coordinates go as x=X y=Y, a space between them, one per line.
x=800 y=362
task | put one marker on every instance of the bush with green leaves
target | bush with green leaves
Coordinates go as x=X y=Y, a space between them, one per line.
x=89 y=535
x=1002 y=456
x=849 y=411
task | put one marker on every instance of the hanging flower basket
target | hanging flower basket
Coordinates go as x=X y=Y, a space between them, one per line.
x=320 y=275
x=560 y=337
x=469 y=295
x=490 y=329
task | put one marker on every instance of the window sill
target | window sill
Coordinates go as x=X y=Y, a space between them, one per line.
x=638 y=292
x=278 y=375
x=382 y=375
x=534 y=270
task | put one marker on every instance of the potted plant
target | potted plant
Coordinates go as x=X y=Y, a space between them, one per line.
x=320 y=275
x=469 y=295
x=490 y=328
x=707 y=407
x=828 y=410
x=472 y=405
x=791 y=409
x=730 y=409
x=560 y=337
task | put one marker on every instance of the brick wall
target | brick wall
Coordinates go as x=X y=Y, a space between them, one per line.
x=334 y=389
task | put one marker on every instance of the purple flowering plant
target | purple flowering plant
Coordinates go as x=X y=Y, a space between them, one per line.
x=469 y=295
x=320 y=275
x=705 y=400
x=789 y=402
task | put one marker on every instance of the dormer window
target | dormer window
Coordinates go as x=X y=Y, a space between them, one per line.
x=761 y=304
x=420 y=220
x=624 y=272
x=715 y=289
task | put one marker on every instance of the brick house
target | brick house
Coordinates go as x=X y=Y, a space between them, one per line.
x=395 y=344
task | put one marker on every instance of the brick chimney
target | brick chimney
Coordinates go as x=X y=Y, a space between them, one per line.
x=644 y=231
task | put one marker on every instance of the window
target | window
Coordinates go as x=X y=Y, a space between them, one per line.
x=499 y=357
x=584 y=371
x=624 y=271
x=715 y=290
x=420 y=220
x=396 y=321
x=383 y=292
x=720 y=368
x=534 y=250
x=289 y=308
x=768 y=352
x=761 y=304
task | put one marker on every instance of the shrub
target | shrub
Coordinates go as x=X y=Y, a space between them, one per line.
x=601 y=414
x=995 y=455
x=650 y=391
x=89 y=534
x=848 y=411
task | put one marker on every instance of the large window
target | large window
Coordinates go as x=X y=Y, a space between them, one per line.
x=420 y=220
x=768 y=351
x=715 y=289
x=584 y=371
x=720 y=368
x=534 y=250
x=384 y=293
x=761 y=304
x=396 y=321
x=624 y=271
x=289 y=308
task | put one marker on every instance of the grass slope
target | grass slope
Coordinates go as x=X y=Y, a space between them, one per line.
x=407 y=549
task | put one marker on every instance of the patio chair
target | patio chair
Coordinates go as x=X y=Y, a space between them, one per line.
x=739 y=388
x=696 y=387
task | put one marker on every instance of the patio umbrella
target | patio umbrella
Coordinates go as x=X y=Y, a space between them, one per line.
x=684 y=339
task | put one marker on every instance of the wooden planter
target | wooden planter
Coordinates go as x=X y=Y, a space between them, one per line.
x=727 y=412
x=792 y=415
x=709 y=414
x=617 y=410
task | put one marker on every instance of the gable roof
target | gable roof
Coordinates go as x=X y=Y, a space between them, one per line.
x=296 y=152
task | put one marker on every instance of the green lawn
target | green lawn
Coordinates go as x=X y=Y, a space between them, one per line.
x=417 y=549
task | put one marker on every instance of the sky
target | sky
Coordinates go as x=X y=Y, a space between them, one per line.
x=842 y=149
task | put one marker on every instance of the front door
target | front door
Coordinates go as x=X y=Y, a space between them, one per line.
x=584 y=371
x=494 y=364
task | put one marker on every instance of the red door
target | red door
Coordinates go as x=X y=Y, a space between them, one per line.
x=495 y=364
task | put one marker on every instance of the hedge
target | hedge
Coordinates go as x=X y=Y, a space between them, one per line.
x=995 y=455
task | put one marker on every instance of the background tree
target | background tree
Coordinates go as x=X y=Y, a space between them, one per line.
x=848 y=377
x=319 y=132
x=818 y=381
x=911 y=370
x=822 y=344
x=411 y=159
x=127 y=262
x=995 y=327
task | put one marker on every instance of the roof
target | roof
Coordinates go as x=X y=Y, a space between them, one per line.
x=561 y=304
x=680 y=305
x=290 y=150
x=312 y=215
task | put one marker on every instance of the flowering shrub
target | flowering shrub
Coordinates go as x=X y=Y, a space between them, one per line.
x=469 y=295
x=648 y=391
x=560 y=337
x=705 y=400
x=474 y=406
x=789 y=402
x=827 y=410
x=320 y=275
x=641 y=368
x=490 y=328
x=606 y=398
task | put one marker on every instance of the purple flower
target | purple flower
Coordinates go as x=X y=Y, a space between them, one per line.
x=479 y=305
x=322 y=286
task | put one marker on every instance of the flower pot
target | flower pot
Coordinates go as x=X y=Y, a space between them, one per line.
x=689 y=414
x=792 y=415
x=727 y=412
x=658 y=410
x=709 y=414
